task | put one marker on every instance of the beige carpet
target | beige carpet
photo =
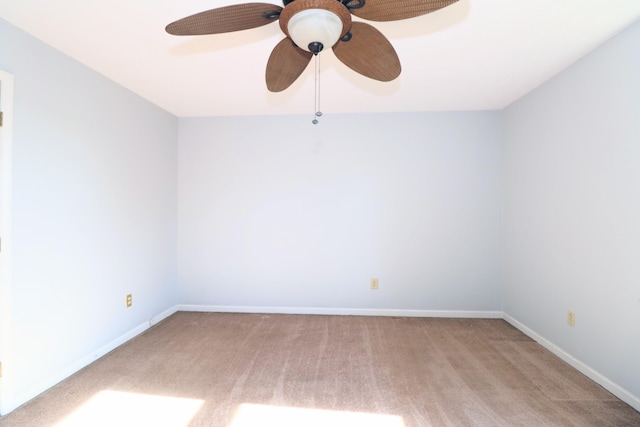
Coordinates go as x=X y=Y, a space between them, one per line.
x=248 y=370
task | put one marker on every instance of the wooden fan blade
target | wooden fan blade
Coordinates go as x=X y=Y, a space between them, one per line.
x=286 y=63
x=393 y=10
x=369 y=53
x=225 y=19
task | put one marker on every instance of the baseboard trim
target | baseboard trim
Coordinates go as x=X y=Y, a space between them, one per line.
x=620 y=392
x=87 y=360
x=341 y=311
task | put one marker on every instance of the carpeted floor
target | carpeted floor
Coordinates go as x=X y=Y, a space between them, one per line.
x=248 y=370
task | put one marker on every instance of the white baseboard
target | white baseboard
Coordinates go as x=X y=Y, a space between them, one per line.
x=342 y=311
x=620 y=392
x=85 y=361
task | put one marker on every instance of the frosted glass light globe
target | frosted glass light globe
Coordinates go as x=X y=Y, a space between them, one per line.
x=314 y=26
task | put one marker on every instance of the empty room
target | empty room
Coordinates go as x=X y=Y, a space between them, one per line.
x=428 y=216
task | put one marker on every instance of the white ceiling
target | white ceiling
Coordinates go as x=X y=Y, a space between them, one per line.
x=473 y=55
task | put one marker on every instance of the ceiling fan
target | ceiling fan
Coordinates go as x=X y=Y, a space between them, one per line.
x=312 y=25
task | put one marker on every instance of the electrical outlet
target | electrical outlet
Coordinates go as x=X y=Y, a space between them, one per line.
x=374 y=284
x=571 y=318
x=129 y=300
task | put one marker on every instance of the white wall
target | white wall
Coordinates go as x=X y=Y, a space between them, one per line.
x=572 y=211
x=277 y=212
x=94 y=212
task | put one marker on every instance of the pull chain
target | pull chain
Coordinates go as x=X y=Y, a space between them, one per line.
x=318 y=113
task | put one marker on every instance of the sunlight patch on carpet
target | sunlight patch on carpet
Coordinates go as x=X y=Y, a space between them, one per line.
x=252 y=415
x=116 y=408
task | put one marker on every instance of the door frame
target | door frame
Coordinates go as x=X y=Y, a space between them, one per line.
x=6 y=318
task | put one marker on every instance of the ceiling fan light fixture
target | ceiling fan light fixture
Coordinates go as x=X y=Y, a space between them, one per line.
x=314 y=25
x=315 y=29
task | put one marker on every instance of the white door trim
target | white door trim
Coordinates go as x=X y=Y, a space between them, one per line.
x=6 y=317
